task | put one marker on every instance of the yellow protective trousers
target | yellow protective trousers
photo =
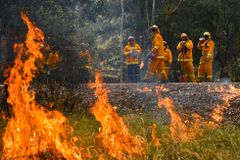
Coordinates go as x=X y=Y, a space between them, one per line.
x=188 y=71
x=167 y=70
x=156 y=67
x=205 y=70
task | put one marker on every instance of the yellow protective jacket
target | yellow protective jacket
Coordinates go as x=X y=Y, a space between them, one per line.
x=53 y=60
x=168 y=57
x=85 y=59
x=185 y=57
x=157 y=46
x=207 y=48
x=129 y=48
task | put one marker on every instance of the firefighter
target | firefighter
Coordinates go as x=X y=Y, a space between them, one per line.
x=132 y=52
x=206 y=45
x=53 y=60
x=168 y=58
x=85 y=63
x=156 y=66
x=185 y=58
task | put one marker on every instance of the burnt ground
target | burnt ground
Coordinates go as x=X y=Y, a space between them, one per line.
x=132 y=98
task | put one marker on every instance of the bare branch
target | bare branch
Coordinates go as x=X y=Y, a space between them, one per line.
x=171 y=12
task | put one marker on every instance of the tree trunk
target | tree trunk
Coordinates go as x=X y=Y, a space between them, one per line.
x=147 y=13
x=121 y=40
x=153 y=11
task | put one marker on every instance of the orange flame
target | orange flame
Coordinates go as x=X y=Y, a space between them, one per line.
x=6 y=71
x=217 y=114
x=114 y=134
x=3 y=116
x=145 y=90
x=178 y=129
x=155 y=139
x=34 y=131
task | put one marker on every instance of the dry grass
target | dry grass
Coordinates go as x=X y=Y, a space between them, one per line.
x=220 y=144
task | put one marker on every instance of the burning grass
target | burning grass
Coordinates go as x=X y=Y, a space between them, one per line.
x=221 y=143
x=33 y=132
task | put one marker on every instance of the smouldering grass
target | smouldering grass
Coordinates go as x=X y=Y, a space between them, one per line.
x=220 y=144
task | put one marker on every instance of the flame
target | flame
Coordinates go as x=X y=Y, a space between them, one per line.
x=3 y=116
x=155 y=139
x=6 y=71
x=145 y=90
x=178 y=129
x=33 y=131
x=217 y=114
x=114 y=134
x=101 y=157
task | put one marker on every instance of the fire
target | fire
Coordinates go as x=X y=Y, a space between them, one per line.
x=178 y=129
x=3 y=116
x=145 y=90
x=34 y=132
x=6 y=71
x=155 y=139
x=114 y=134
x=218 y=111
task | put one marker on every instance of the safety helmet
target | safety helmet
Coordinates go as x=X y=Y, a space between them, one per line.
x=83 y=45
x=131 y=38
x=207 y=34
x=154 y=28
x=184 y=35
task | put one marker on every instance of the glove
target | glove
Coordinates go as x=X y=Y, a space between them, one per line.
x=153 y=56
x=183 y=43
x=201 y=39
x=141 y=65
x=206 y=45
x=130 y=54
x=134 y=54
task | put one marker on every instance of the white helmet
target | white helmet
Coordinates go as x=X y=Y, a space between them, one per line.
x=208 y=34
x=183 y=35
x=154 y=28
x=131 y=38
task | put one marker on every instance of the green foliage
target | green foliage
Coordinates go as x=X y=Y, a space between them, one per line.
x=97 y=22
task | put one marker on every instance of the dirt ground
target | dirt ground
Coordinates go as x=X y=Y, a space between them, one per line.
x=188 y=98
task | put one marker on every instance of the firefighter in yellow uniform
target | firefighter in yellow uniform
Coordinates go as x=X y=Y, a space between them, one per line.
x=53 y=60
x=156 y=66
x=132 y=53
x=206 y=45
x=185 y=58
x=168 y=58
x=85 y=63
